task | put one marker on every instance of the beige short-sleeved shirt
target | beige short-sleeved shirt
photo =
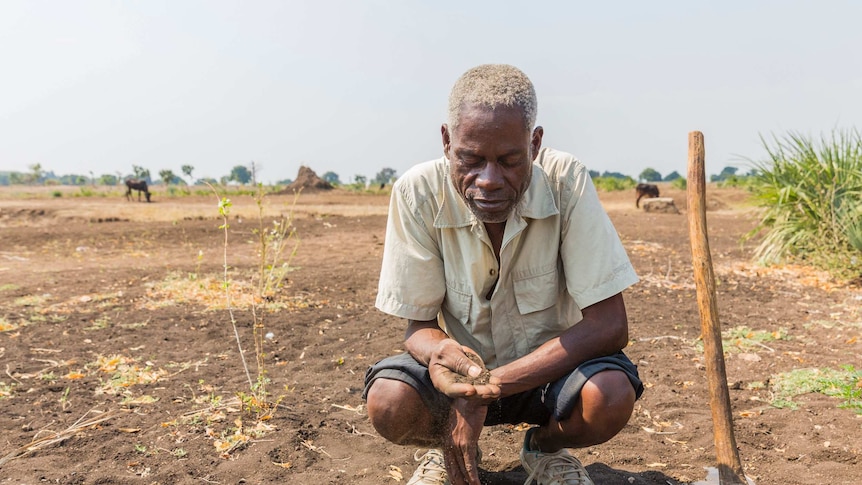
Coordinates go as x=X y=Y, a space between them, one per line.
x=560 y=253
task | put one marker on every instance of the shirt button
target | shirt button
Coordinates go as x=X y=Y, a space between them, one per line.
x=493 y=272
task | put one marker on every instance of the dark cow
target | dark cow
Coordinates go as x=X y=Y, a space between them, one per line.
x=139 y=185
x=645 y=190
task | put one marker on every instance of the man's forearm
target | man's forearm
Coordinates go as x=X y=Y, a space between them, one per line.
x=603 y=331
x=421 y=338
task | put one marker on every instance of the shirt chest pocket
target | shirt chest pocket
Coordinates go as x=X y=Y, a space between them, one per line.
x=457 y=303
x=538 y=291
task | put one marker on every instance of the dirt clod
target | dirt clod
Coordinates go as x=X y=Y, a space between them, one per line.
x=483 y=378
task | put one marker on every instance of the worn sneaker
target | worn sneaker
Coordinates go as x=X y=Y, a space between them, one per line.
x=431 y=469
x=558 y=468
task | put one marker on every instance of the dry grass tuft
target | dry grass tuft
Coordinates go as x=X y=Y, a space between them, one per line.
x=55 y=437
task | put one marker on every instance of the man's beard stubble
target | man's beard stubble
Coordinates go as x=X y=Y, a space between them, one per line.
x=515 y=211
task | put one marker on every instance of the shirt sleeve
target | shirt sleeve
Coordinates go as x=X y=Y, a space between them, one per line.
x=412 y=282
x=594 y=260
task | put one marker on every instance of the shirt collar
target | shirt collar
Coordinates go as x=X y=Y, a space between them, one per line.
x=538 y=201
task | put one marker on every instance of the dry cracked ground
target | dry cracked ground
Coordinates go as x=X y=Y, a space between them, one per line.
x=120 y=363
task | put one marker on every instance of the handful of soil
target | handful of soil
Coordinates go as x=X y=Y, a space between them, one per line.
x=483 y=378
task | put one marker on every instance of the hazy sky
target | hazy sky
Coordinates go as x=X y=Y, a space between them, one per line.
x=355 y=86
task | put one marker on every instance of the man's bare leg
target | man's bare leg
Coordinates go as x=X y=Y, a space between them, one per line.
x=606 y=404
x=398 y=414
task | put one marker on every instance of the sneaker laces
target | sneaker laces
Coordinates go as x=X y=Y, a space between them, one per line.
x=559 y=468
x=431 y=468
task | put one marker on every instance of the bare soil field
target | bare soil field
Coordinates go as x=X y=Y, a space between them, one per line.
x=119 y=365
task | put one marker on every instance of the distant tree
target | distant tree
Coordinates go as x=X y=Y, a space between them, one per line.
x=671 y=176
x=650 y=175
x=35 y=173
x=332 y=178
x=241 y=174
x=385 y=176
x=187 y=171
x=73 y=179
x=595 y=173
x=108 y=179
x=16 y=178
x=206 y=180
x=167 y=176
x=142 y=173
x=284 y=182
x=360 y=180
x=726 y=173
x=615 y=175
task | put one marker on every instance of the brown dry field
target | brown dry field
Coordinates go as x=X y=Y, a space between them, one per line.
x=119 y=363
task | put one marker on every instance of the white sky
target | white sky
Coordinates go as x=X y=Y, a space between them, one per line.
x=355 y=86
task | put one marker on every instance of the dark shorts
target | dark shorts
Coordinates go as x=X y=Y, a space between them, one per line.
x=536 y=406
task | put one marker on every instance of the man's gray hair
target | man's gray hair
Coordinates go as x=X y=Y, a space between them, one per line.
x=493 y=85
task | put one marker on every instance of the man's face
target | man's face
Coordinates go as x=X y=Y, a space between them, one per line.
x=491 y=154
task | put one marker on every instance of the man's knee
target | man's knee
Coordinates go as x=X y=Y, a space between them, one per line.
x=395 y=409
x=611 y=388
x=608 y=400
x=387 y=398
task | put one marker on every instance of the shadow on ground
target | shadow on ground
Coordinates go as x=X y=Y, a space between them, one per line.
x=599 y=472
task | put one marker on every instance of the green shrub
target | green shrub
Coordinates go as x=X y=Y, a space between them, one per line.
x=610 y=184
x=56 y=193
x=812 y=195
x=742 y=181
x=679 y=183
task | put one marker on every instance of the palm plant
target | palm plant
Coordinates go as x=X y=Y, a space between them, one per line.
x=812 y=195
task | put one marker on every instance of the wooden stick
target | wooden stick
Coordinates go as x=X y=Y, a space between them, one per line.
x=729 y=464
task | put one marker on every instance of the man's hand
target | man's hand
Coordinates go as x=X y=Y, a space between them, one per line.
x=461 y=443
x=463 y=378
x=453 y=373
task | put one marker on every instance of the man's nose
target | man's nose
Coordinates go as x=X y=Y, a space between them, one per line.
x=490 y=177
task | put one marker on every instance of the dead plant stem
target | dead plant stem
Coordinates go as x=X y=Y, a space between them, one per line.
x=224 y=206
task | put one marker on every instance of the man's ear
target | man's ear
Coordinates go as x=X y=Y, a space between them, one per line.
x=536 y=141
x=444 y=133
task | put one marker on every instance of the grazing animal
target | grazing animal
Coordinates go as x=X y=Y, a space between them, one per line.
x=139 y=185
x=645 y=190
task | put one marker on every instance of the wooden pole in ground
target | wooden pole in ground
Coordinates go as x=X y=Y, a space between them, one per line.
x=729 y=464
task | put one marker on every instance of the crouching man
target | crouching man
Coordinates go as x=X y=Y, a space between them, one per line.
x=500 y=254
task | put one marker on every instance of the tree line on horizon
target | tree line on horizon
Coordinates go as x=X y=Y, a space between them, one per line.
x=244 y=175
x=239 y=174
x=38 y=176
